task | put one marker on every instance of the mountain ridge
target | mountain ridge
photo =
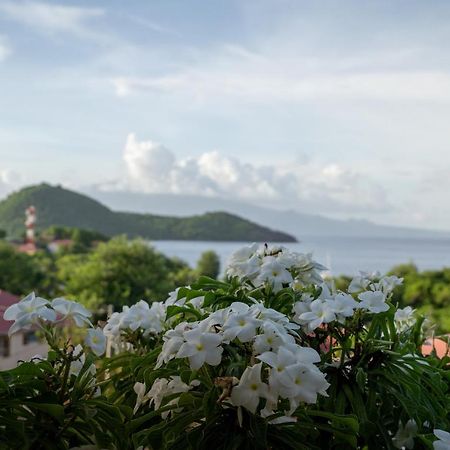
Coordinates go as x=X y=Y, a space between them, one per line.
x=290 y=221
x=59 y=206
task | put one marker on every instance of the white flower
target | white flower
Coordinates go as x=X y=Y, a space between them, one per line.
x=301 y=307
x=142 y=398
x=359 y=283
x=269 y=410
x=172 y=299
x=404 y=318
x=287 y=355
x=113 y=325
x=293 y=375
x=240 y=323
x=321 y=311
x=250 y=389
x=308 y=269
x=443 y=442
x=173 y=340
x=272 y=337
x=274 y=274
x=343 y=306
x=373 y=301
x=302 y=383
x=96 y=340
x=78 y=363
x=149 y=318
x=161 y=388
x=405 y=435
x=244 y=262
x=27 y=312
x=200 y=347
x=74 y=310
x=388 y=283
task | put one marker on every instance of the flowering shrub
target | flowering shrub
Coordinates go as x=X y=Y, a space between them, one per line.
x=273 y=358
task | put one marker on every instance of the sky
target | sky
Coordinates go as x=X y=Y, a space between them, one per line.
x=339 y=108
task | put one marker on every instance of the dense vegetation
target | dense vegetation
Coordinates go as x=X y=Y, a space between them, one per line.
x=59 y=206
x=114 y=272
x=272 y=358
x=428 y=292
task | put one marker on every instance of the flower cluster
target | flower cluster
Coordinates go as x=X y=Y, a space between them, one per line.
x=37 y=312
x=328 y=306
x=287 y=368
x=149 y=318
x=275 y=266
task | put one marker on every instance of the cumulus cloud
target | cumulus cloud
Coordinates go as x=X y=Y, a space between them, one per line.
x=152 y=168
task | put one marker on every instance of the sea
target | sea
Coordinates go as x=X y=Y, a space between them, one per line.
x=341 y=255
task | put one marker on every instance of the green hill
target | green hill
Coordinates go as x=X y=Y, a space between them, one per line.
x=58 y=206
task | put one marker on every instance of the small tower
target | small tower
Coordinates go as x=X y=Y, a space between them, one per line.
x=30 y=221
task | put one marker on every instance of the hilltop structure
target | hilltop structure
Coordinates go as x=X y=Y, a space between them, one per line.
x=29 y=246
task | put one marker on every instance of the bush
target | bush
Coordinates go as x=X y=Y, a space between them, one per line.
x=274 y=358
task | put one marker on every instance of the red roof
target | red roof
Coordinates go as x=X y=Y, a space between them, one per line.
x=440 y=346
x=29 y=248
x=6 y=300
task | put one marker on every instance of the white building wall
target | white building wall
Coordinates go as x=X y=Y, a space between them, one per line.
x=18 y=351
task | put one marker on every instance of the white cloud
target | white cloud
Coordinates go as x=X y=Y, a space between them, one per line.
x=152 y=168
x=201 y=85
x=5 y=49
x=9 y=180
x=49 y=17
x=236 y=72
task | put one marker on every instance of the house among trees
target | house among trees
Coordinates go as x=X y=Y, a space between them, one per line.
x=22 y=345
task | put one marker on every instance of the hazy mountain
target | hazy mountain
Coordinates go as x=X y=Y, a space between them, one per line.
x=59 y=206
x=292 y=222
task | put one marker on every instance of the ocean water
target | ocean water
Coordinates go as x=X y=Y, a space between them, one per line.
x=341 y=255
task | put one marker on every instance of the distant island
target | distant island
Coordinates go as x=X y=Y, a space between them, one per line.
x=297 y=222
x=59 y=206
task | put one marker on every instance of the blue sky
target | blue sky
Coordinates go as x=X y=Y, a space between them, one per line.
x=332 y=107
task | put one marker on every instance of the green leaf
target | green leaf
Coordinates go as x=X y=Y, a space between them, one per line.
x=56 y=411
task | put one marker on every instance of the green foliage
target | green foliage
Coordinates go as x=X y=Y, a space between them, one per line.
x=209 y=264
x=117 y=272
x=82 y=237
x=44 y=406
x=85 y=213
x=428 y=291
x=18 y=272
x=2 y=234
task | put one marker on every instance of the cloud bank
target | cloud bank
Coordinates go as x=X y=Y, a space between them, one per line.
x=152 y=168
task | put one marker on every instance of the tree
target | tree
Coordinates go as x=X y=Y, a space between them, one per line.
x=117 y=272
x=209 y=264
x=18 y=272
x=2 y=234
